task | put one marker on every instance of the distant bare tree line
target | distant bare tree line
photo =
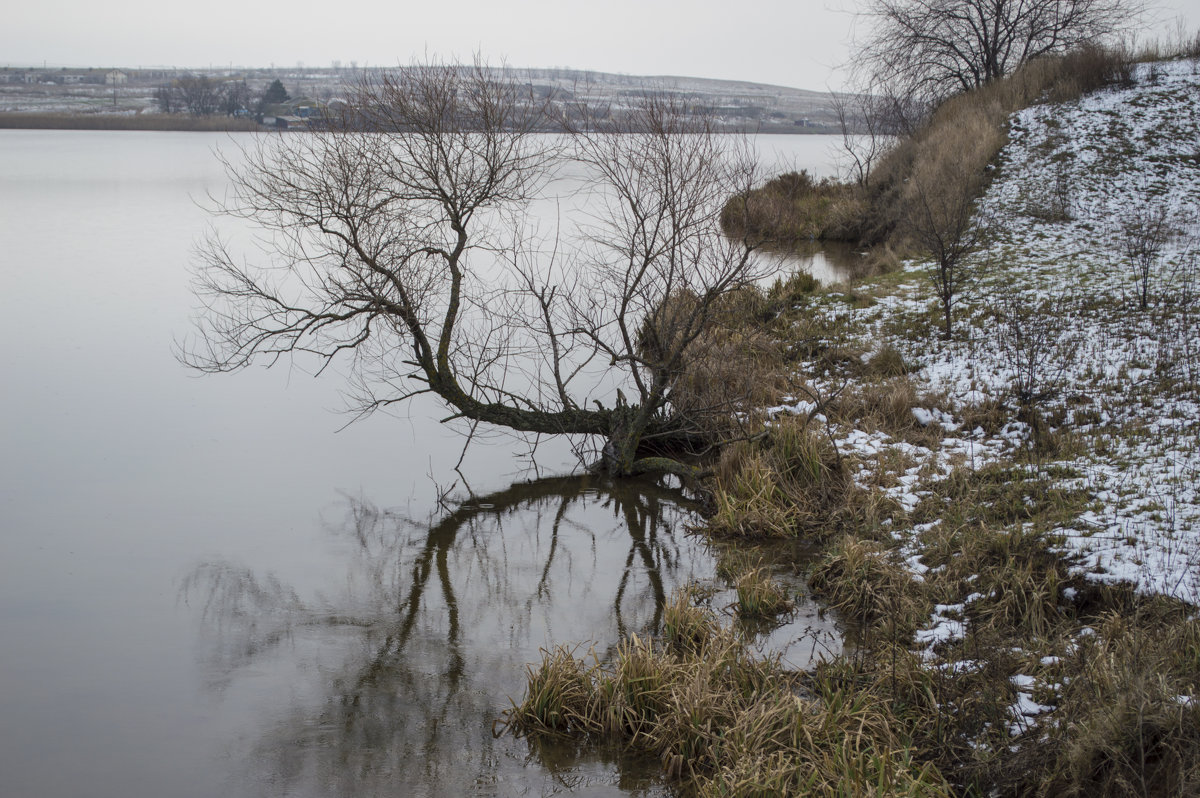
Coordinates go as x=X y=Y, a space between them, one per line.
x=201 y=95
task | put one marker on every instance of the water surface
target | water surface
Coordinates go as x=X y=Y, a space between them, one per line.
x=207 y=588
x=395 y=684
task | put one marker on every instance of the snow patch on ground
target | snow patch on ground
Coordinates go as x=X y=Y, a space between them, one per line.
x=1124 y=379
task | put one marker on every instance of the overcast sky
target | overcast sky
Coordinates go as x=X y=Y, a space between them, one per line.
x=797 y=43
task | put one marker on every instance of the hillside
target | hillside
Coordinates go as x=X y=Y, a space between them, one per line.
x=1079 y=189
x=1029 y=509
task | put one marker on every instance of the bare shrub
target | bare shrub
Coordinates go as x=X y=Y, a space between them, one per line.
x=1053 y=202
x=406 y=228
x=869 y=122
x=1038 y=346
x=1143 y=235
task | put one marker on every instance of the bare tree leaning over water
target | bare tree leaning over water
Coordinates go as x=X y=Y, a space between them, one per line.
x=400 y=240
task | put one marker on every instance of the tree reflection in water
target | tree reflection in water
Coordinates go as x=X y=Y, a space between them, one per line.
x=434 y=630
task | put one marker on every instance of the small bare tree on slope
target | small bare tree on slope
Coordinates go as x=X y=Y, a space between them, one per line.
x=939 y=206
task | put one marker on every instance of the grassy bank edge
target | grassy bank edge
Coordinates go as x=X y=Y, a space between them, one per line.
x=905 y=711
x=991 y=666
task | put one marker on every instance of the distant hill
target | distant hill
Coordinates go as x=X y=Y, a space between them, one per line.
x=737 y=105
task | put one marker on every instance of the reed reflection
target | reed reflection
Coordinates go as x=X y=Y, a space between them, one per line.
x=408 y=668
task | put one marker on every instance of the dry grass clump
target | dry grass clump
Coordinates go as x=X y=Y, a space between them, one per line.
x=749 y=499
x=1015 y=574
x=792 y=208
x=888 y=361
x=727 y=722
x=558 y=694
x=729 y=369
x=886 y=404
x=990 y=415
x=947 y=716
x=792 y=482
x=734 y=560
x=1020 y=580
x=790 y=292
x=759 y=595
x=842 y=743
x=864 y=584
x=1079 y=72
x=685 y=627
x=877 y=260
x=724 y=363
x=1128 y=714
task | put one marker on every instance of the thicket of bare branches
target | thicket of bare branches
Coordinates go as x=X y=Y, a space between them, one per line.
x=934 y=48
x=869 y=122
x=200 y=95
x=402 y=242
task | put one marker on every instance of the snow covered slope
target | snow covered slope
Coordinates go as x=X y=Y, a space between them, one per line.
x=1078 y=185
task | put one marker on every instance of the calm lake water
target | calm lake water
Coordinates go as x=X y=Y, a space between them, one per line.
x=207 y=588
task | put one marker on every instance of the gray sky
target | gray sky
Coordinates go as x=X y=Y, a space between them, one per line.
x=794 y=43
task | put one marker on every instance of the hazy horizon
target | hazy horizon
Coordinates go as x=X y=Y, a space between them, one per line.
x=349 y=65
x=786 y=44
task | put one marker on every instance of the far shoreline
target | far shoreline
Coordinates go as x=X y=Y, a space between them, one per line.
x=32 y=120
x=26 y=120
